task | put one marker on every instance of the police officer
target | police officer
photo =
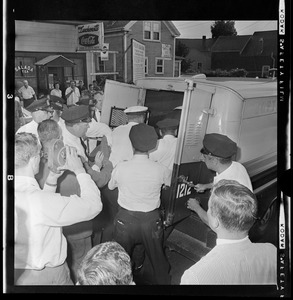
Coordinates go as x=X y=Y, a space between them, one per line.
x=40 y=110
x=76 y=122
x=57 y=104
x=121 y=150
x=138 y=220
x=217 y=153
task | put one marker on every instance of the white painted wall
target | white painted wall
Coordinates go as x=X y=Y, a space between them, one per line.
x=45 y=37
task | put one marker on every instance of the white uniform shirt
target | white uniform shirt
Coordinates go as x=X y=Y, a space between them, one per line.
x=121 y=149
x=40 y=216
x=31 y=127
x=233 y=262
x=71 y=140
x=139 y=182
x=74 y=97
x=165 y=151
x=237 y=172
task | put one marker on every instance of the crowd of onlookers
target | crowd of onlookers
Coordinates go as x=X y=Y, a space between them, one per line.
x=88 y=198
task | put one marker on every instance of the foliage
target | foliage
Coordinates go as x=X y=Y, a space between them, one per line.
x=224 y=28
x=182 y=50
x=224 y=73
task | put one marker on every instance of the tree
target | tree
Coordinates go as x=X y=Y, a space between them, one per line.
x=182 y=50
x=225 y=28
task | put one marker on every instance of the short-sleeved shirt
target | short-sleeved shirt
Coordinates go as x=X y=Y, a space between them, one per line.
x=236 y=171
x=121 y=149
x=26 y=93
x=139 y=182
x=74 y=97
x=165 y=152
x=55 y=92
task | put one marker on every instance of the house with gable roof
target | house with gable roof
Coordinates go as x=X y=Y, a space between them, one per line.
x=46 y=51
x=158 y=38
x=255 y=53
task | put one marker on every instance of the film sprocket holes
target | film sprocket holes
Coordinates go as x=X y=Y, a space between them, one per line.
x=56 y=155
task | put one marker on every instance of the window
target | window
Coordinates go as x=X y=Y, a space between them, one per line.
x=146 y=65
x=152 y=30
x=99 y=64
x=159 y=66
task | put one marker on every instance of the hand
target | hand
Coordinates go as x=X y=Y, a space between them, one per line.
x=193 y=204
x=99 y=159
x=73 y=161
x=200 y=188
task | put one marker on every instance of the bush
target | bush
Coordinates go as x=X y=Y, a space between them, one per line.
x=225 y=73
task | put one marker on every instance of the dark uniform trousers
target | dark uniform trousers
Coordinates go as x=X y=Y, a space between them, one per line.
x=133 y=228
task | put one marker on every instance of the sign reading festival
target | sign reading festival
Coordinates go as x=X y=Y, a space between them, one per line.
x=90 y=37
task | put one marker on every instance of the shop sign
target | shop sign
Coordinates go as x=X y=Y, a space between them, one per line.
x=166 y=51
x=105 y=53
x=90 y=36
x=24 y=69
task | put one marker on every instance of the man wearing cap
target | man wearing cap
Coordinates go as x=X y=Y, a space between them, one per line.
x=57 y=104
x=27 y=94
x=121 y=148
x=40 y=111
x=165 y=151
x=217 y=153
x=76 y=123
x=138 y=221
x=72 y=94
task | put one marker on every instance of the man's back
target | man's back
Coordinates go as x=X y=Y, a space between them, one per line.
x=121 y=148
x=235 y=263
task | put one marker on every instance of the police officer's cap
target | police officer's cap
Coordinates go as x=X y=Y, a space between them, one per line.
x=143 y=137
x=136 y=109
x=37 y=105
x=168 y=123
x=56 y=102
x=218 y=145
x=76 y=114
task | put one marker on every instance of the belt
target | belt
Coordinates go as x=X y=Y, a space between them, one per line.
x=135 y=212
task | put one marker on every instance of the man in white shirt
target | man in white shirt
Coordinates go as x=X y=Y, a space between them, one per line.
x=121 y=148
x=235 y=260
x=40 y=246
x=138 y=221
x=27 y=94
x=40 y=111
x=217 y=153
x=72 y=94
x=164 y=153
